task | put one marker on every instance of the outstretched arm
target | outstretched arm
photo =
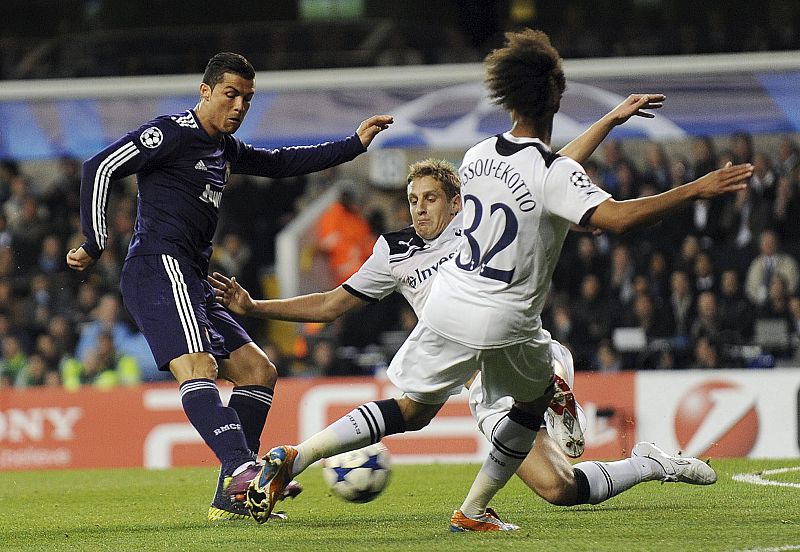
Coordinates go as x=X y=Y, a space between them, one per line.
x=315 y=307
x=582 y=147
x=621 y=216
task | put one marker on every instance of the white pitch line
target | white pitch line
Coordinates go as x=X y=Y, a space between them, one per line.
x=758 y=479
x=773 y=548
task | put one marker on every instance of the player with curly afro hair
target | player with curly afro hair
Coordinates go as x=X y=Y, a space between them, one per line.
x=525 y=76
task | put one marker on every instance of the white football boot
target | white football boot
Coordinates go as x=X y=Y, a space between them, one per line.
x=565 y=420
x=677 y=468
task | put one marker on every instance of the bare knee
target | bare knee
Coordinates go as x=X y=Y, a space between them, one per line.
x=548 y=473
x=417 y=415
x=249 y=365
x=562 y=494
x=194 y=366
x=557 y=488
x=264 y=373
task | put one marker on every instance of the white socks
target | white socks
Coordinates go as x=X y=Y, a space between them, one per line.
x=607 y=479
x=362 y=426
x=511 y=443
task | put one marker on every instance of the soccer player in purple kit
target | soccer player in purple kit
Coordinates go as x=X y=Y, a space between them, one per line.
x=182 y=163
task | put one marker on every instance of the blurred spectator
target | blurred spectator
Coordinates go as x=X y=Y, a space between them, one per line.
x=704 y=155
x=777 y=303
x=681 y=303
x=657 y=275
x=794 y=313
x=786 y=212
x=28 y=230
x=232 y=256
x=324 y=361
x=12 y=206
x=9 y=169
x=687 y=256
x=735 y=311
x=788 y=157
x=705 y=278
x=742 y=147
x=63 y=334
x=622 y=270
x=707 y=321
x=587 y=259
x=49 y=352
x=106 y=272
x=7 y=297
x=41 y=301
x=51 y=257
x=123 y=220
x=771 y=260
x=613 y=156
x=706 y=354
x=344 y=236
x=103 y=366
x=657 y=167
x=742 y=221
x=6 y=239
x=606 y=358
x=13 y=357
x=592 y=311
x=106 y=319
x=35 y=373
x=85 y=302
x=61 y=198
x=656 y=322
x=628 y=180
x=564 y=328
x=764 y=179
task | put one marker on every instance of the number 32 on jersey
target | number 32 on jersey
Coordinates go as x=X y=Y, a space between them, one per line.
x=481 y=255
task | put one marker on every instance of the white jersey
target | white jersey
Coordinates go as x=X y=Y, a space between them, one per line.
x=402 y=261
x=519 y=199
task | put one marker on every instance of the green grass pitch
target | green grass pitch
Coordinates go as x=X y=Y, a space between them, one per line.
x=166 y=510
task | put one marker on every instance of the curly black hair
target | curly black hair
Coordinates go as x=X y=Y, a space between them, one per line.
x=525 y=75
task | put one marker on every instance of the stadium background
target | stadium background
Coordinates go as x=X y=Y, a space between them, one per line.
x=77 y=75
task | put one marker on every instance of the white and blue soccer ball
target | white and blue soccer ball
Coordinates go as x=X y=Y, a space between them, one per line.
x=359 y=475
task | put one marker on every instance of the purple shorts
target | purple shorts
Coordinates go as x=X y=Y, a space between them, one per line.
x=174 y=307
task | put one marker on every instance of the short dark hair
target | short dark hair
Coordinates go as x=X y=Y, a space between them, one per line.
x=442 y=171
x=525 y=75
x=227 y=62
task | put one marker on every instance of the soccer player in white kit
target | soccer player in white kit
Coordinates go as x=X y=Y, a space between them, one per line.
x=483 y=311
x=406 y=261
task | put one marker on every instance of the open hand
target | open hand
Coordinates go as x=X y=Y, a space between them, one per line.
x=634 y=105
x=230 y=294
x=730 y=178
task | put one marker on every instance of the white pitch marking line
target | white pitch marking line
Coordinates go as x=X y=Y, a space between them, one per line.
x=773 y=548
x=758 y=479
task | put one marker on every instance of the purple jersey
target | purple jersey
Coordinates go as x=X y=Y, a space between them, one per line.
x=181 y=173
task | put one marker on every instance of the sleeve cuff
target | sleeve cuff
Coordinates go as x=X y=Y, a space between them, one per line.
x=586 y=216
x=364 y=297
x=92 y=250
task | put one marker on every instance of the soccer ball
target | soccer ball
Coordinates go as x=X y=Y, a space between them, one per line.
x=359 y=475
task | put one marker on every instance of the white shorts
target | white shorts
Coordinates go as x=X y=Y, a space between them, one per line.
x=488 y=415
x=429 y=368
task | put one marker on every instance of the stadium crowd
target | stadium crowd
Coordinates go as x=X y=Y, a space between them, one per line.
x=715 y=285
